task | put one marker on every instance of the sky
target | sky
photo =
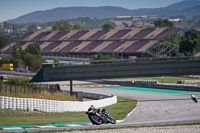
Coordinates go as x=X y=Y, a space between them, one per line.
x=11 y=9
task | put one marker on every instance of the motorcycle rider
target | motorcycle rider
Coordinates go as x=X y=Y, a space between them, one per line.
x=100 y=112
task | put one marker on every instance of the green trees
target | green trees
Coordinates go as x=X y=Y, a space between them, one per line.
x=31 y=57
x=4 y=40
x=163 y=23
x=34 y=62
x=190 y=42
x=61 y=26
x=76 y=27
x=108 y=26
x=34 y=49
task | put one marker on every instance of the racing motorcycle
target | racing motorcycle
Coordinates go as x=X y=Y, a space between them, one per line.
x=99 y=116
x=193 y=97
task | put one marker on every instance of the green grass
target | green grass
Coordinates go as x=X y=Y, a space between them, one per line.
x=120 y=110
x=15 y=118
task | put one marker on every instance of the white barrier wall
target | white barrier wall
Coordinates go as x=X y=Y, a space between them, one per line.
x=52 y=105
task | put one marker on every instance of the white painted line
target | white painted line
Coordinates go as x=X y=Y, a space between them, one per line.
x=12 y=128
x=46 y=126
x=118 y=121
x=74 y=125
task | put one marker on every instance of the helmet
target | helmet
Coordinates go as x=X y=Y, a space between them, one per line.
x=92 y=106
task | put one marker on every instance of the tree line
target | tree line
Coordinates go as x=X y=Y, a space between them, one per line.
x=63 y=25
x=31 y=57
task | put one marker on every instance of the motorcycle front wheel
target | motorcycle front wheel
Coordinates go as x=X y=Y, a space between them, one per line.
x=96 y=120
x=112 y=121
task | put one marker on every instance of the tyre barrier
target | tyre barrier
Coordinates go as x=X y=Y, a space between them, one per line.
x=188 y=82
x=31 y=104
x=145 y=81
x=128 y=82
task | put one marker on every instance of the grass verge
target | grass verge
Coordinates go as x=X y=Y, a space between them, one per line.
x=19 y=118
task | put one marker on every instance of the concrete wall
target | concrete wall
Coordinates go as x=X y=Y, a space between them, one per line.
x=52 y=105
x=120 y=70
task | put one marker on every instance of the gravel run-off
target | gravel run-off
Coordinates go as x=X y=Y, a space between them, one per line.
x=168 y=129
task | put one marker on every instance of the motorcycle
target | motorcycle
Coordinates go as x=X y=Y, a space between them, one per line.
x=99 y=116
x=193 y=97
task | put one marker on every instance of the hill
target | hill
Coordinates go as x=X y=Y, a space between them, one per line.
x=187 y=8
x=71 y=12
x=184 y=5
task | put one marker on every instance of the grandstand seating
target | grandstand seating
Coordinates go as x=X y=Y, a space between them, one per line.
x=91 y=46
x=66 y=36
x=101 y=46
x=16 y=45
x=154 y=33
x=111 y=47
x=80 y=46
x=5 y=49
x=44 y=44
x=40 y=36
x=98 y=34
x=124 y=46
x=120 y=34
x=28 y=38
x=78 y=35
x=93 y=41
x=131 y=33
x=165 y=33
x=61 y=46
x=19 y=44
x=39 y=43
x=142 y=33
x=87 y=35
x=59 y=35
x=108 y=34
x=135 y=46
x=24 y=46
x=147 y=46
x=25 y=36
x=51 y=46
x=47 y=37
x=69 y=47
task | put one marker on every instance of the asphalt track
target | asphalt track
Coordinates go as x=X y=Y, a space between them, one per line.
x=154 y=107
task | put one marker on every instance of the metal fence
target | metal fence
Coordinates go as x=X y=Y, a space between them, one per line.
x=8 y=88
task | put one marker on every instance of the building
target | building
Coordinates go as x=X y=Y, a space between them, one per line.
x=83 y=43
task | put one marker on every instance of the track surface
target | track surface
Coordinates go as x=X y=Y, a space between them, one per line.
x=153 y=108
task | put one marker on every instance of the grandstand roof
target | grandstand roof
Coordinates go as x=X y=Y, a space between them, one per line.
x=93 y=41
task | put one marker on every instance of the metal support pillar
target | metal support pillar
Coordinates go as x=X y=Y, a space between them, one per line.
x=71 y=88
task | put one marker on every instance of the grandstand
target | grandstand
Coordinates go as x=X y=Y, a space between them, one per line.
x=129 y=42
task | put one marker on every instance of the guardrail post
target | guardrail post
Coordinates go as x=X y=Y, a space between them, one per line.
x=71 y=87
x=0 y=87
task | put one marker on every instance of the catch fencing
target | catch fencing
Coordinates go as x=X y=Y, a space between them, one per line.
x=7 y=89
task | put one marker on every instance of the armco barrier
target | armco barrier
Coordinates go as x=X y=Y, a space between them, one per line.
x=159 y=86
x=52 y=105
